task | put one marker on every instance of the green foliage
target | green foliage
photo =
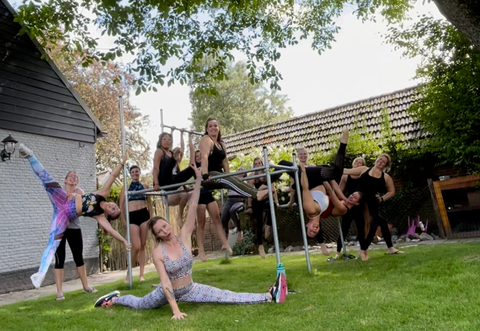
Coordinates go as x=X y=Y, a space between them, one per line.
x=237 y=104
x=246 y=246
x=182 y=32
x=104 y=241
x=448 y=105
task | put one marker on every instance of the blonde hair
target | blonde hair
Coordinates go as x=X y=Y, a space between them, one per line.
x=389 y=161
x=151 y=224
x=358 y=159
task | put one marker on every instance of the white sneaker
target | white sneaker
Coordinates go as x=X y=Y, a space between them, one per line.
x=37 y=279
x=24 y=151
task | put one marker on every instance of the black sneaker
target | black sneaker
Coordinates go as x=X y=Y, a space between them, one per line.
x=106 y=300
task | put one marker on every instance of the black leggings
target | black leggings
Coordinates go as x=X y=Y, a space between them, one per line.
x=231 y=183
x=354 y=214
x=75 y=241
x=230 y=210
x=179 y=177
x=322 y=173
x=258 y=207
x=376 y=221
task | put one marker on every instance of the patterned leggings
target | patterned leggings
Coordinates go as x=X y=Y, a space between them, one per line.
x=193 y=292
x=63 y=212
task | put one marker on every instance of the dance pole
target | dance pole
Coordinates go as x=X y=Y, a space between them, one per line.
x=300 y=211
x=127 y=216
x=341 y=237
x=280 y=267
x=161 y=120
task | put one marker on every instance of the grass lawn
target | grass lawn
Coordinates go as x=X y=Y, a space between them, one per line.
x=428 y=288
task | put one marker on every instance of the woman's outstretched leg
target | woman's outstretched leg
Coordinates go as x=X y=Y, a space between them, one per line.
x=209 y=294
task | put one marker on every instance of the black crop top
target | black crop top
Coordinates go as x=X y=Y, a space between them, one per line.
x=215 y=159
x=369 y=185
x=136 y=186
x=351 y=184
x=165 y=174
x=91 y=204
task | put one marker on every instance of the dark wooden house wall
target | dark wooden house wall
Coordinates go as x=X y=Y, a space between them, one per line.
x=33 y=97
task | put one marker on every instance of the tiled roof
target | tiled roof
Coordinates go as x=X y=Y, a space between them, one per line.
x=315 y=131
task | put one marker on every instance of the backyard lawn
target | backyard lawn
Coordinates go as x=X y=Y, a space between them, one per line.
x=428 y=288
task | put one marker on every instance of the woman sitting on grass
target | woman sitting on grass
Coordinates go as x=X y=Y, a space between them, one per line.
x=173 y=262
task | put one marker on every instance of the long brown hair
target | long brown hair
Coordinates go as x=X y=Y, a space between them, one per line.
x=219 y=136
x=160 y=137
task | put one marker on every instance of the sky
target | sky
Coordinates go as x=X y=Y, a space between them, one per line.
x=359 y=65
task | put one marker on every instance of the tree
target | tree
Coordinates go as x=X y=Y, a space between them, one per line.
x=99 y=88
x=449 y=103
x=464 y=15
x=156 y=31
x=237 y=104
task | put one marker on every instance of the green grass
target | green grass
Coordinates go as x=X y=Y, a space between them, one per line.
x=428 y=288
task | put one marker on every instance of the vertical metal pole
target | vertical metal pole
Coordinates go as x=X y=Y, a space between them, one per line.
x=300 y=210
x=272 y=209
x=167 y=207
x=127 y=217
x=341 y=236
x=161 y=120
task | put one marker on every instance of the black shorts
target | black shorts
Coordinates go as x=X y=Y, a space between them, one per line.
x=138 y=217
x=205 y=198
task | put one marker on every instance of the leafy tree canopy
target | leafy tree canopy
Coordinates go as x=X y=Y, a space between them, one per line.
x=237 y=104
x=449 y=103
x=156 y=31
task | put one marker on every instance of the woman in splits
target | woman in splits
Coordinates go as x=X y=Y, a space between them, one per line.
x=372 y=182
x=67 y=207
x=173 y=262
x=348 y=185
x=139 y=211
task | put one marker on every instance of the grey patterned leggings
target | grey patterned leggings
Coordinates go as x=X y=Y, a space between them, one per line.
x=191 y=293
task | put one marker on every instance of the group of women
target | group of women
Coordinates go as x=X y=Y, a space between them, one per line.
x=320 y=192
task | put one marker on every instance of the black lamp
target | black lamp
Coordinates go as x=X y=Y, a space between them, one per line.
x=8 y=147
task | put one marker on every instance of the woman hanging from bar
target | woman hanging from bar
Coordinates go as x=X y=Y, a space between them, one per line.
x=173 y=262
x=68 y=206
x=373 y=181
x=164 y=165
x=139 y=210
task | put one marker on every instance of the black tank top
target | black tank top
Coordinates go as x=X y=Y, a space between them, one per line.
x=165 y=174
x=91 y=204
x=370 y=185
x=216 y=158
x=351 y=185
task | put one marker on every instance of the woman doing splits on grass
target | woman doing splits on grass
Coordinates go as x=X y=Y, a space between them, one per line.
x=372 y=182
x=173 y=262
x=67 y=207
x=139 y=211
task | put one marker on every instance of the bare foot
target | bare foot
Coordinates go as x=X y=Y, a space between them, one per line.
x=324 y=249
x=240 y=236
x=127 y=279
x=201 y=255
x=262 y=195
x=337 y=256
x=227 y=248
x=344 y=136
x=261 y=251
x=363 y=255
x=142 y=279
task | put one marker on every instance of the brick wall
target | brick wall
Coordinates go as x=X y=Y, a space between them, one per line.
x=27 y=211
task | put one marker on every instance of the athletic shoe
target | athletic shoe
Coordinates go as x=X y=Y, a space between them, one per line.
x=37 y=279
x=24 y=151
x=282 y=293
x=279 y=290
x=106 y=300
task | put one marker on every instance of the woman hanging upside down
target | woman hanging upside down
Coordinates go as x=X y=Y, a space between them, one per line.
x=173 y=262
x=67 y=207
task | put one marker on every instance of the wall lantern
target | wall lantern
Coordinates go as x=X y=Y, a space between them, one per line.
x=8 y=147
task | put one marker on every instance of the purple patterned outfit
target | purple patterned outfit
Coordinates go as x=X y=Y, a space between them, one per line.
x=193 y=292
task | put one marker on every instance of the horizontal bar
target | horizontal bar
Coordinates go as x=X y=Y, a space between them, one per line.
x=184 y=130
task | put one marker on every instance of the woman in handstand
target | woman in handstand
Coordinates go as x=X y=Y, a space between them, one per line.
x=173 y=262
x=67 y=207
